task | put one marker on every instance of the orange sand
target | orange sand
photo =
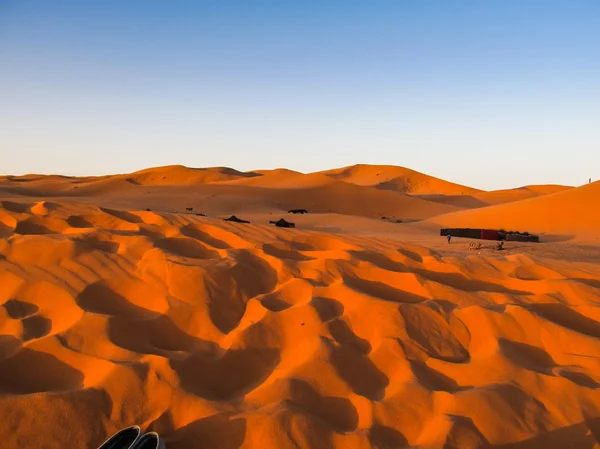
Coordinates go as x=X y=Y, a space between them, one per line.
x=566 y=213
x=389 y=177
x=346 y=332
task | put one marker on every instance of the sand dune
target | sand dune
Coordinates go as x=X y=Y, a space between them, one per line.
x=518 y=194
x=179 y=174
x=566 y=213
x=220 y=191
x=223 y=335
x=382 y=177
x=346 y=332
x=482 y=199
x=275 y=187
x=393 y=178
x=400 y=179
x=281 y=179
x=47 y=185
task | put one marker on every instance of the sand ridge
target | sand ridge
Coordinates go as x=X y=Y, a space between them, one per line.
x=218 y=191
x=400 y=179
x=230 y=335
x=373 y=191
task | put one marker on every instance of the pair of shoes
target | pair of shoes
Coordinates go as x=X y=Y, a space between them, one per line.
x=132 y=438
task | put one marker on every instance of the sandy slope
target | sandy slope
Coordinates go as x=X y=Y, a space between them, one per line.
x=221 y=335
x=482 y=199
x=346 y=332
x=400 y=179
x=287 y=188
x=226 y=191
x=518 y=194
x=566 y=213
x=179 y=174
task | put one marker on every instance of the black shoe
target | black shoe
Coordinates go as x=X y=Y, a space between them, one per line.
x=149 y=440
x=123 y=439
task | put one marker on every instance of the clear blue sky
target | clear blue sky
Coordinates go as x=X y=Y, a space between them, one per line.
x=491 y=93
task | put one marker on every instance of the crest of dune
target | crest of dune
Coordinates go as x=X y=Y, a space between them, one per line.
x=400 y=179
x=521 y=193
x=179 y=174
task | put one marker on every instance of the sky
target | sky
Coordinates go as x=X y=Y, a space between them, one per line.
x=493 y=94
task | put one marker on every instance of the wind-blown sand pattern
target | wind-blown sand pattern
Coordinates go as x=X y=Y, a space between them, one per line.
x=343 y=333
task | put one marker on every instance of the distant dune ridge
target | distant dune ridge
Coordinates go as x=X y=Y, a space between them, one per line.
x=400 y=179
x=119 y=305
x=364 y=190
x=521 y=193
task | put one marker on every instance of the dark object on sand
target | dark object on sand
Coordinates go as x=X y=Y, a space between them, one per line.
x=490 y=234
x=500 y=246
x=200 y=214
x=391 y=220
x=124 y=438
x=189 y=209
x=297 y=211
x=149 y=440
x=466 y=233
x=520 y=237
x=148 y=210
x=235 y=219
x=281 y=223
